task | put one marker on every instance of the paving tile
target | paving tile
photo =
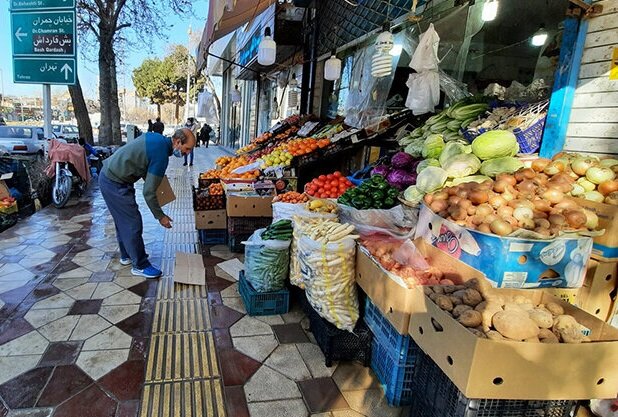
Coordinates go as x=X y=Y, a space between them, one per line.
x=314 y=359
x=286 y=408
x=98 y=363
x=71 y=270
x=348 y=413
x=235 y=303
x=88 y=326
x=235 y=402
x=85 y=307
x=59 y=330
x=31 y=412
x=147 y=288
x=137 y=325
x=29 y=344
x=61 y=353
x=223 y=317
x=127 y=281
x=68 y=283
x=268 y=385
x=122 y=298
x=322 y=394
x=290 y=333
x=271 y=320
x=106 y=289
x=65 y=382
x=23 y=390
x=223 y=340
x=55 y=301
x=125 y=382
x=128 y=409
x=231 y=291
x=249 y=326
x=90 y=402
x=351 y=376
x=139 y=348
x=256 y=347
x=236 y=368
x=370 y=403
x=111 y=338
x=322 y=415
x=11 y=366
x=285 y=359
x=114 y=314
x=82 y=292
x=43 y=291
x=215 y=283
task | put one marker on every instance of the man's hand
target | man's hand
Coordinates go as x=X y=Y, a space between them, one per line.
x=166 y=222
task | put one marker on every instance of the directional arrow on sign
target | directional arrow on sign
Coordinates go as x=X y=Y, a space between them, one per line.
x=66 y=69
x=19 y=34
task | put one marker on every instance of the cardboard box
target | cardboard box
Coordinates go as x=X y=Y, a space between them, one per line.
x=210 y=219
x=390 y=294
x=507 y=261
x=598 y=295
x=605 y=247
x=242 y=206
x=165 y=194
x=483 y=368
x=4 y=189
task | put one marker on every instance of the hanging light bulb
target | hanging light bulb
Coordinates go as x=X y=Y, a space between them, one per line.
x=490 y=10
x=293 y=92
x=332 y=68
x=293 y=82
x=267 y=50
x=235 y=96
x=540 y=37
x=397 y=49
x=382 y=61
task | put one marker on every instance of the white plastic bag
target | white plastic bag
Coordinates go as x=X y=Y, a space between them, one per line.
x=424 y=87
x=425 y=56
x=398 y=222
x=287 y=211
x=266 y=262
x=328 y=272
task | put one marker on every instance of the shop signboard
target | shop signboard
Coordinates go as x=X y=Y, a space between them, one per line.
x=248 y=41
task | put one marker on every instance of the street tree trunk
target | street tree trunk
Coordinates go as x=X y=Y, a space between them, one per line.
x=115 y=107
x=81 y=112
x=106 y=136
x=158 y=110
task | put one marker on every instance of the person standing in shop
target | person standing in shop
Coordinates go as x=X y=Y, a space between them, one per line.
x=158 y=126
x=194 y=127
x=146 y=157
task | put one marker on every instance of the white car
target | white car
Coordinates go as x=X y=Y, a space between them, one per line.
x=70 y=133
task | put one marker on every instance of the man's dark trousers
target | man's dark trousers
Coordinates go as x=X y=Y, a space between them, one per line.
x=120 y=200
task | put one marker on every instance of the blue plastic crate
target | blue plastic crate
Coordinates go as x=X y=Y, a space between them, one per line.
x=263 y=303
x=213 y=236
x=398 y=346
x=396 y=379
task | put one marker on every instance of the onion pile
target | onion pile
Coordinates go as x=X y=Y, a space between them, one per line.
x=594 y=179
x=528 y=199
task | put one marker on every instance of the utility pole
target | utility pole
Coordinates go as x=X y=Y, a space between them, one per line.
x=188 y=101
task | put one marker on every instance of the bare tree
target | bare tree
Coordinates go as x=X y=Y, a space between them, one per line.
x=81 y=112
x=112 y=25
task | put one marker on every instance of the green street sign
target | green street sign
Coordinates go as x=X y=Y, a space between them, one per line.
x=41 y=4
x=43 y=33
x=44 y=70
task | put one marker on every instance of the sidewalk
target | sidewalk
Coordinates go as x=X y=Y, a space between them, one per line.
x=80 y=336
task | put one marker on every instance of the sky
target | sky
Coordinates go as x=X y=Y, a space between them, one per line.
x=88 y=71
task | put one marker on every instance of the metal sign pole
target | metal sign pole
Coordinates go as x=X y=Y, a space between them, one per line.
x=47 y=111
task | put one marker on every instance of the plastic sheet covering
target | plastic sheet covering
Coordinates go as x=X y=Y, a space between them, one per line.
x=266 y=262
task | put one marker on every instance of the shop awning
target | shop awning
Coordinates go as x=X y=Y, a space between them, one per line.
x=220 y=21
x=217 y=48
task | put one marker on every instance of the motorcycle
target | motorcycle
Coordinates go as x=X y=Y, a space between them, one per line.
x=70 y=169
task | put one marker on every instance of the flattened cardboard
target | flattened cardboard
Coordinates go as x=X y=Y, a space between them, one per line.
x=483 y=368
x=210 y=219
x=239 y=206
x=189 y=269
x=598 y=295
x=232 y=268
x=165 y=194
x=605 y=247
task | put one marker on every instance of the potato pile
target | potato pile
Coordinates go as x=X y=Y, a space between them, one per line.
x=505 y=318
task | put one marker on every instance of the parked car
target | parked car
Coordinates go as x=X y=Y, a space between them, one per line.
x=70 y=133
x=23 y=140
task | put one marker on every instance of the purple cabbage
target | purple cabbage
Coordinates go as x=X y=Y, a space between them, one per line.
x=380 y=170
x=402 y=160
x=401 y=179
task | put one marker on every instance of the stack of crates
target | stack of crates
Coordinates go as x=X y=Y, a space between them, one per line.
x=210 y=215
x=239 y=229
x=393 y=357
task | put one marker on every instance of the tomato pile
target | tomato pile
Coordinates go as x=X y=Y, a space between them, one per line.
x=328 y=186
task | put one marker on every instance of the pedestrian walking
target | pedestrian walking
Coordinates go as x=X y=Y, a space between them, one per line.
x=205 y=134
x=149 y=125
x=192 y=125
x=145 y=157
x=158 y=126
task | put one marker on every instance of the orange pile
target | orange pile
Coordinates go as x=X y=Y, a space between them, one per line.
x=223 y=161
x=298 y=147
x=211 y=174
x=239 y=161
x=215 y=189
x=292 y=197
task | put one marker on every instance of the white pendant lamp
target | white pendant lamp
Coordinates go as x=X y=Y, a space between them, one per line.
x=332 y=68
x=235 y=96
x=267 y=50
x=274 y=109
x=397 y=50
x=540 y=37
x=293 y=92
x=382 y=61
x=490 y=10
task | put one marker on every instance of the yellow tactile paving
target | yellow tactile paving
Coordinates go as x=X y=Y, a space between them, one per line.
x=170 y=290
x=183 y=315
x=203 y=398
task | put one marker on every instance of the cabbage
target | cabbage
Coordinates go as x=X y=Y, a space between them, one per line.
x=380 y=170
x=495 y=144
x=431 y=179
x=415 y=148
x=493 y=167
x=433 y=145
x=402 y=160
x=400 y=178
x=427 y=163
x=472 y=178
x=452 y=149
x=461 y=165
x=413 y=195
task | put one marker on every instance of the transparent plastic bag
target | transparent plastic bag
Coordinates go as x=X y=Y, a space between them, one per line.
x=266 y=262
x=289 y=210
x=328 y=272
x=398 y=222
